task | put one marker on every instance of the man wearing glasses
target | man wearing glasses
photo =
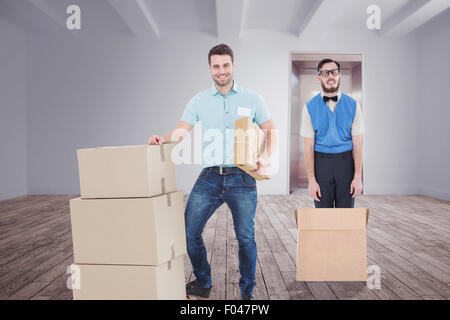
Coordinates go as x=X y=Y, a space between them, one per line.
x=332 y=129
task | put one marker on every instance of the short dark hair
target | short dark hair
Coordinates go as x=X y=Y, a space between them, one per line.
x=220 y=49
x=327 y=60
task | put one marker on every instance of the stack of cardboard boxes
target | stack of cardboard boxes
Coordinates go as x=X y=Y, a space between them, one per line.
x=128 y=225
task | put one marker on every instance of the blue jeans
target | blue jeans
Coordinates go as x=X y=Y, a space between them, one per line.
x=210 y=191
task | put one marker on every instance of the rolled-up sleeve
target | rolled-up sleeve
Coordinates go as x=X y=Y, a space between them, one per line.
x=189 y=114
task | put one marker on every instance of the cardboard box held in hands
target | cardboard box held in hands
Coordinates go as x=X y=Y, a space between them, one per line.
x=332 y=244
x=249 y=143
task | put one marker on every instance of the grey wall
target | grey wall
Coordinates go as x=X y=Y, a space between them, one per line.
x=13 y=107
x=357 y=84
x=109 y=90
x=112 y=89
x=433 y=74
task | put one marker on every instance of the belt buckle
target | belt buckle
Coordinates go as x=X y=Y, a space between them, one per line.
x=221 y=170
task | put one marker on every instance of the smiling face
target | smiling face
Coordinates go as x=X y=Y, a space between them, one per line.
x=330 y=83
x=221 y=68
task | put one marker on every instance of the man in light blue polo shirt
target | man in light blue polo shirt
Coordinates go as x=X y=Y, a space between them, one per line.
x=220 y=180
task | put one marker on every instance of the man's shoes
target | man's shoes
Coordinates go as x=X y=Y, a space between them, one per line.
x=246 y=297
x=192 y=289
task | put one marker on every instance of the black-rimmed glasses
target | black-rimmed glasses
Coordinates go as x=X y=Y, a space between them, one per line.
x=325 y=73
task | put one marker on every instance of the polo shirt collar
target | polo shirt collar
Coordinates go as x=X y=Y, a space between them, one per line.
x=236 y=89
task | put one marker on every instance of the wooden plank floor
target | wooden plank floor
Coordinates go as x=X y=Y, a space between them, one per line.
x=408 y=239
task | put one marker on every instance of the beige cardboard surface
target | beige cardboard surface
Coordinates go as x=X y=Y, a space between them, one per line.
x=127 y=171
x=332 y=244
x=118 y=282
x=129 y=231
x=249 y=143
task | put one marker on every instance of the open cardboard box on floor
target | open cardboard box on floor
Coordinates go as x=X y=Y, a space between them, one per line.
x=332 y=244
x=129 y=231
x=126 y=171
x=120 y=282
x=249 y=143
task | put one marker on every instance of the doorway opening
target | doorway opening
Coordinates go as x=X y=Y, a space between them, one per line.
x=303 y=87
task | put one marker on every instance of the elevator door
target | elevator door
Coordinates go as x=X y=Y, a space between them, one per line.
x=304 y=86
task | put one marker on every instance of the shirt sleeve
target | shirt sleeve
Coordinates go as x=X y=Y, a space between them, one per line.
x=261 y=111
x=189 y=114
x=358 y=124
x=306 y=129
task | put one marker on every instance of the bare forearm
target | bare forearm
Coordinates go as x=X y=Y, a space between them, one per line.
x=170 y=137
x=272 y=143
x=358 y=159
x=178 y=133
x=309 y=163
x=271 y=134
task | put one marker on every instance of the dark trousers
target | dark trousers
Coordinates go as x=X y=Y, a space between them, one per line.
x=334 y=173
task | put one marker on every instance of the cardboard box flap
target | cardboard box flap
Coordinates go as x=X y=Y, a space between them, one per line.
x=332 y=218
x=165 y=149
x=113 y=147
x=367 y=216
x=243 y=123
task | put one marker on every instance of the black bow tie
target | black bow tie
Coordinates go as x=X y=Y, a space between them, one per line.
x=326 y=99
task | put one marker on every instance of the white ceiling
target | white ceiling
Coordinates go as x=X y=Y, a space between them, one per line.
x=284 y=15
x=189 y=14
x=356 y=17
x=140 y=17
